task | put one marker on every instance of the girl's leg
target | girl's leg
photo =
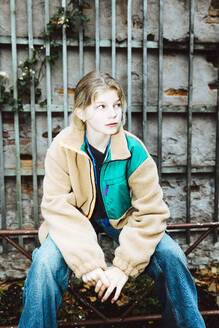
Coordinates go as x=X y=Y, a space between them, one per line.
x=46 y=281
x=175 y=286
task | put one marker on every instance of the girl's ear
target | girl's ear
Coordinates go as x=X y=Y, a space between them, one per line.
x=80 y=113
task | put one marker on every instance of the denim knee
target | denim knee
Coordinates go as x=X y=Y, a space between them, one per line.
x=49 y=262
x=168 y=252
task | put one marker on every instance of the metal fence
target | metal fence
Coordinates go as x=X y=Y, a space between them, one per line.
x=143 y=47
x=113 y=45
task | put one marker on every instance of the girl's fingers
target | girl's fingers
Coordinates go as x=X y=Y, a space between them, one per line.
x=98 y=286
x=117 y=293
x=84 y=278
x=96 y=277
x=108 y=293
x=101 y=291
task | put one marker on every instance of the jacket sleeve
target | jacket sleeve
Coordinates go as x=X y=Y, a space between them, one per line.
x=71 y=231
x=147 y=222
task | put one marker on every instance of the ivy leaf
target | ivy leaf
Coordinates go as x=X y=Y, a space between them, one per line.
x=23 y=83
x=84 y=18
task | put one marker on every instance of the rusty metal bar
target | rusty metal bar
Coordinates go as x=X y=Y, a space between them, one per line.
x=21 y=249
x=18 y=232
x=193 y=225
x=197 y=242
x=118 y=320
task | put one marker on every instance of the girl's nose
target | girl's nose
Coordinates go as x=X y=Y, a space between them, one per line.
x=112 y=111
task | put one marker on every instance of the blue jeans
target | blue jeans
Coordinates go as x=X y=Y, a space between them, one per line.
x=49 y=275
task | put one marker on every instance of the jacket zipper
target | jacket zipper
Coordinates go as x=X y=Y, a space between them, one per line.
x=92 y=204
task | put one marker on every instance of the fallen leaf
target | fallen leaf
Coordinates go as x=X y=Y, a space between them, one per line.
x=212 y=287
x=123 y=301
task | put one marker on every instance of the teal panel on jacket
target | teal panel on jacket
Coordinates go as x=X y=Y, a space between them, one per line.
x=83 y=147
x=138 y=155
x=114 y=177
x=114 y=180
x=115 y=189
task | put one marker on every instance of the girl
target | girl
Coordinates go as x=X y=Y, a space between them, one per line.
x=99 y=177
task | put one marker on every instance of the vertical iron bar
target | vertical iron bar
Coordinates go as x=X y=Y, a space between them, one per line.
x=129 y=62
x=144 y=79
x=33 y=119
x=2 y=182
x=97 y=33
x=160 y=91
x=16 y=116
x=81 y=51
x=65 y=67
x=114 y=38
x=48 y=77
x=216 y=196
x=189 y=117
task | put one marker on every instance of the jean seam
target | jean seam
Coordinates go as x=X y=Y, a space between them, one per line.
x=66 y=275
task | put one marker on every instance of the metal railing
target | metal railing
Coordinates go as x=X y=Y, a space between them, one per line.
x=123 y=318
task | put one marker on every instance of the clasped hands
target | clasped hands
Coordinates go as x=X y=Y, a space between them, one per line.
x=106 y=281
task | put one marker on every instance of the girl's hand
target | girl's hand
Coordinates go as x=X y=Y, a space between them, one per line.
x=117 y=279
x=96 y=277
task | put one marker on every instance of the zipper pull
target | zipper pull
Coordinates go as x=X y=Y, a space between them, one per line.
x=105 y=191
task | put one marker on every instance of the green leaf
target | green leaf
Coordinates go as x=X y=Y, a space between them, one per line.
x=84 y=18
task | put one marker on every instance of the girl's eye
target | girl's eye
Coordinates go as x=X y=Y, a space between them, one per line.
x=118 y=105
x=101 y=107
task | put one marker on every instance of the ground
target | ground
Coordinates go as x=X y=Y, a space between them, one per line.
x=75 y=309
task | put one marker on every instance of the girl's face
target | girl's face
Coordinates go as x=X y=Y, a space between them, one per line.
x=104 y=115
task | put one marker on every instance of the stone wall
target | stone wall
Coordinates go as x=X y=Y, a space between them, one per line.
x=175 y=92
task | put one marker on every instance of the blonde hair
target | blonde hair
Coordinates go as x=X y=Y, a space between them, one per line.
x=92 y=84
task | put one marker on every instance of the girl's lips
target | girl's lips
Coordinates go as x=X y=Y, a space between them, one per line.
x=111 y=124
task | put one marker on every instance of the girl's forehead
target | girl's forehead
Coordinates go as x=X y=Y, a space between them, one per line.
x=106 y=94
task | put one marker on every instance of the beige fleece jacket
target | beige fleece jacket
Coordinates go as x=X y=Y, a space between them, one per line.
x=69 y=197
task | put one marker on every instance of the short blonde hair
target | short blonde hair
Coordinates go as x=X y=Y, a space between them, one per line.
x=92 y=84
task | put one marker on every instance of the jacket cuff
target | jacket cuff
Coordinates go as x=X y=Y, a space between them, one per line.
x=79 y=271
x=128 y=269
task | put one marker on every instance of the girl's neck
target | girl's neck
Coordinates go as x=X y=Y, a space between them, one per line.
x=98 y=140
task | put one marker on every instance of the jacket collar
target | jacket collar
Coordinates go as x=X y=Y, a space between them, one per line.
x=74 y=139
